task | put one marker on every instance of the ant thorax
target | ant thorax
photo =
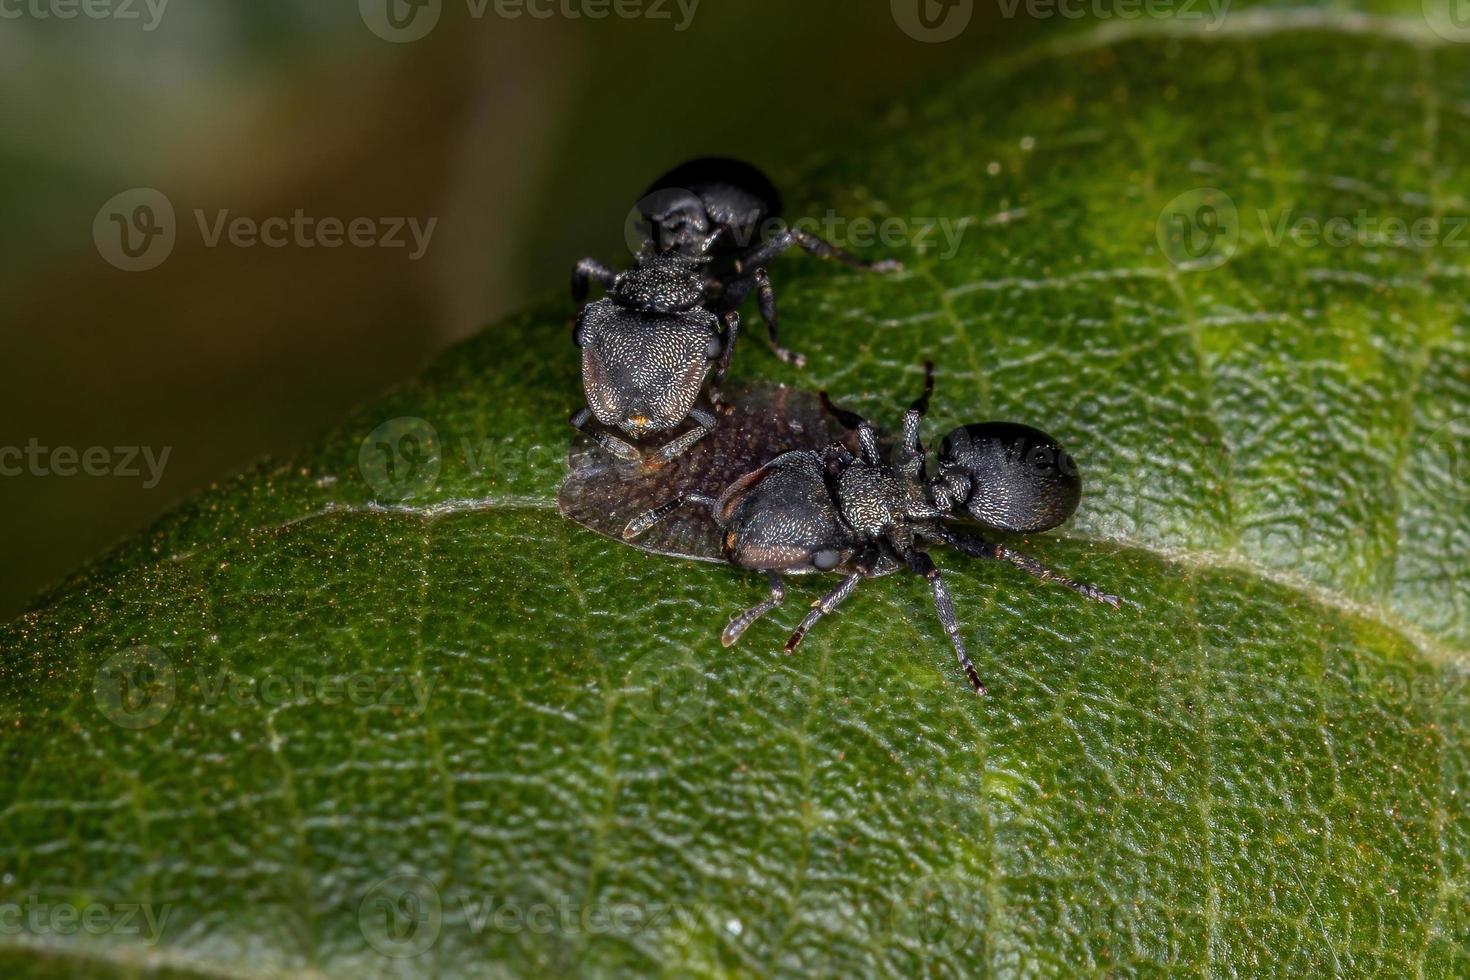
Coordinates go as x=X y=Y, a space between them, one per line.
x=663 y=284
x=872 y=499
x=949 y=489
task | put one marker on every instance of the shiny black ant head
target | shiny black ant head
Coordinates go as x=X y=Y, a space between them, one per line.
x=780 y=517
x=1008 y=476
x=709 y=206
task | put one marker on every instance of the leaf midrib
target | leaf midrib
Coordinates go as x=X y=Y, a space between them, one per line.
x=1431 y=648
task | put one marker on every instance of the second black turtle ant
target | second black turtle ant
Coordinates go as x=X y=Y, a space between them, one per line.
x=834 y=511
x=648 y=346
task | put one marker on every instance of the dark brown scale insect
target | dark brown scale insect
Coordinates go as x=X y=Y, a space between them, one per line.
x=818 y=506
x=604 y=495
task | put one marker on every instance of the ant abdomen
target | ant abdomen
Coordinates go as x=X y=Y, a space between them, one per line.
x=1020 y=479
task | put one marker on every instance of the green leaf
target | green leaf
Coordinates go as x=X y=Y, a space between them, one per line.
x=307 y=727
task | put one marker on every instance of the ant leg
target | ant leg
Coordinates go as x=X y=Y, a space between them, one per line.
x=980 y=548
x=623 y=450
x=823 y=606
x=707 y=423
x=867 y=435
x=587 y=270
x=914 y=417
x=837 y=455
x=788 y=237
x=836 y=458
x=865 y=563
x=766 y=300
x=920 y=563
x=741 y=623
x=868 y=444
x=1035 y=568
x=732 y=333
x=640 y=524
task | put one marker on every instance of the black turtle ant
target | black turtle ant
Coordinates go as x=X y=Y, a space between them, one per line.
x=649 y=344
x=806 y=512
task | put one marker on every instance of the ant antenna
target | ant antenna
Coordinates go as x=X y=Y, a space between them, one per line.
x=921 y=404
x=849 y=420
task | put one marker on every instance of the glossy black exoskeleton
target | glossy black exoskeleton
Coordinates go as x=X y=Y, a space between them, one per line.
x=646 y=351
x=708 y=229
x=836 y=511
x=710 y=207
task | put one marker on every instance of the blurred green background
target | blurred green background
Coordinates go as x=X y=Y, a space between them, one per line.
x=526 y=138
